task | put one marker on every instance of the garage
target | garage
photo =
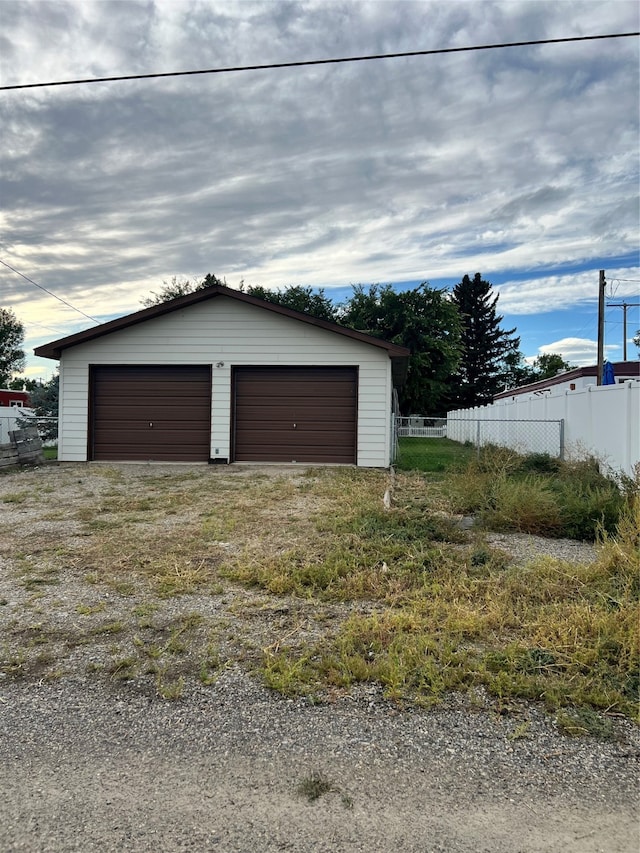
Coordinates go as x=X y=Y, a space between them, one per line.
x=150 y=413
x=295 y=414
x=220 y=376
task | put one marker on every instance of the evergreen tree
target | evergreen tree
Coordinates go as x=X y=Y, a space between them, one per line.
x=487 y=348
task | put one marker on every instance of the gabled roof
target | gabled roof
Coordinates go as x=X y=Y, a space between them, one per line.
x=55 y=348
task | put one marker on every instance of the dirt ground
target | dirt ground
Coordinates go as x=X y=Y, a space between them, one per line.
x=96 y=763
x=85 y=768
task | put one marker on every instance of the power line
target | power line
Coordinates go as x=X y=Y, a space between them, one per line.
x=59 y=298
x=308 y=62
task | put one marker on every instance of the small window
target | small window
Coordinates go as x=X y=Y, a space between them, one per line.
x=16 y=404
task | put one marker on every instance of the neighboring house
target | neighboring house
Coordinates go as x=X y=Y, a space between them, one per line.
x=573 y=380
x=13 y=399
x=12 y=407
x=221 y=376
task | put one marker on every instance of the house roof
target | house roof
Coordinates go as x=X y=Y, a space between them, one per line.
x=628 y=369
x=398 y=354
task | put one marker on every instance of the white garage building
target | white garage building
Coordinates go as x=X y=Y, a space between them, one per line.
x=221 y=376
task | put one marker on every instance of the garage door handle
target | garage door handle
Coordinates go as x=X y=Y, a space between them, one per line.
x=150 y=423
x=295 y=425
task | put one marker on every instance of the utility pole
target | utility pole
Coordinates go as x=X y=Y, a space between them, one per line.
x=624 y=306
x=600 y=366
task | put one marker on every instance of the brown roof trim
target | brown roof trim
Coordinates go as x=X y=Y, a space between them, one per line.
x=621 y=368
x=55 y=348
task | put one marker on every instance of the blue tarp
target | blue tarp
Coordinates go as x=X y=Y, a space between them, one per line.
x=608 y=375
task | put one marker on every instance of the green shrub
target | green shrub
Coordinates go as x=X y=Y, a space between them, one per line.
x=539 y=494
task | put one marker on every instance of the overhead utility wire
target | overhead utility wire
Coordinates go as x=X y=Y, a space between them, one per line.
x=308 y=62
x=59 y=298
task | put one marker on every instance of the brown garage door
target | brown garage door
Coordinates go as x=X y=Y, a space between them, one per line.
x=151 y=413
x=295 y=414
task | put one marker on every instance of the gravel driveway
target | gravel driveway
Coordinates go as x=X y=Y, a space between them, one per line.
x=100 y=764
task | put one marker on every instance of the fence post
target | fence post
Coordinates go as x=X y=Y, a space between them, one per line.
x=562 y=438
x=478 y=437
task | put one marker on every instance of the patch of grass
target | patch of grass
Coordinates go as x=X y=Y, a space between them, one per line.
x=537 y=494
x=15 y=497
x=435 y=455
x=563 y=634
x=210 y=665
x=179 y=577
x=359 y=551
x=42 y=576
x=316 y=785
x=144 y=609
x=90 y=609
x=585 y=721
x=123 y=668
x=170 y=690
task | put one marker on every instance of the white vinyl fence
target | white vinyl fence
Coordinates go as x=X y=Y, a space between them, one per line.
x=524 y=435
x=603 y=421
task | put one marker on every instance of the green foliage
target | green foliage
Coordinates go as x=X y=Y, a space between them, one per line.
x=516 y=372
x=548 y=365
x=423 y=320
x=486 y=345
x=175 y=288
x=538 y=494
x=20 y=383
x=44 y=402
x=299 y=298
x=562 y=633
x=11 y=342
x=431 y=454
x=578 y=722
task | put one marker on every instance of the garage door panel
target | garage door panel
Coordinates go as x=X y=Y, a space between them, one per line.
x=277 y=418
x=321 y=402
x=151 y=412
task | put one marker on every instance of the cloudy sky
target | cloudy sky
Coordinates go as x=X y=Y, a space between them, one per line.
x=521 y=163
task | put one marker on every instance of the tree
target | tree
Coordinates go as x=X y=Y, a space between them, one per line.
x=11 y=342
x=548 y=365
x=516 y=371
x=636 y=339
x=44 y=402
x=19 y=383
x=299 y=299
x=179 y=287
x=423 y=320
x=486 y=346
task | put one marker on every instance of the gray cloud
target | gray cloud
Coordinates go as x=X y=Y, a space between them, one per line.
x=502 y=161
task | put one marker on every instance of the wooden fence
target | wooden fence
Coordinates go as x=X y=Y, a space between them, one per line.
x=24 y=448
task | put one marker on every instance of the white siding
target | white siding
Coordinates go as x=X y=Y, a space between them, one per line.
x=234 y=333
